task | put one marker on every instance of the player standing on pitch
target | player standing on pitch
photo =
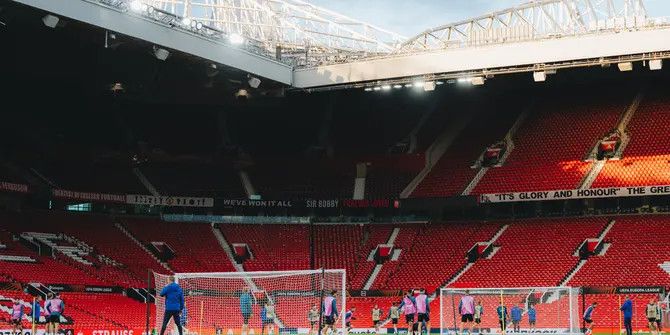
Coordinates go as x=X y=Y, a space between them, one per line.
x=174 y=304
x=329 y=312
x=268 y=317
x=588 y=318
x=348 y=316
x=502 y=317
x=532 y=317
x=55 y=307
x=246 y=302
x=479 y=312
x=516 y=315
x=652 y=315
x=17 y=314
x=466 y=307
x=394 y=315
x=627 y=309
x=423 y=310
x=408 y=307
x=313 y=317
x=376 y=317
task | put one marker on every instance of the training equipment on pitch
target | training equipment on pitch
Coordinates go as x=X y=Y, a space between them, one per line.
x=556 y=308
x=212 y=300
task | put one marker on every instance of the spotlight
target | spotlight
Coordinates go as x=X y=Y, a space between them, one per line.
x=198 y=25
x=539 y=76
x=418 y=84
x=137 y=6
x=397 y=86
x=236 y=39
x=186 y=21
x=50 y=21
x=242 y=94
x=386 y=87
x=477 y=81
x=408 y=85
x=368 y=89
x=439 y=83
x=464 y=80
x=376 y=88
x=254 y=82
x=625 y=66
x=655 y=64
x=161 y=53
x=429 y=86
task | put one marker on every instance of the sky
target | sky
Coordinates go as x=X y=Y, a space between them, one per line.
x=410 y=17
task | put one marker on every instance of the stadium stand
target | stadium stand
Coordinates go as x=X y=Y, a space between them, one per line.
x=194 y=246
x=524 y=260
x=195 y=179
x=646 y=158
x=548 y=153
x=637 y=247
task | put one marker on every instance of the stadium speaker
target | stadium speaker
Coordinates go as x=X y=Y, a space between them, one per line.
x=655 y=64
x=161 y=53
x=625 y=66
x=254 y=82
x=50 y=21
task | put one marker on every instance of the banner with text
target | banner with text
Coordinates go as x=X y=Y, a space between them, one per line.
x=12 y=187
x=88 y=196
x=137 y=199
x=609 y=192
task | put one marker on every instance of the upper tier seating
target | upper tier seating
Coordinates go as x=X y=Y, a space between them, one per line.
x=195 y=179
x=646 y=158
x=552 y=142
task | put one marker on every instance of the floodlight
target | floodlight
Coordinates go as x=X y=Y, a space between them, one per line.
x=137 y=6
x=539 y=76
x=254 y=82
x=377 y=88
x=625 y=66
x=419 y=84
x=186 y=21
x=198 y=25
x=655 y=64
x=477 y=81
x=368 y=89
x=429 y=86
x=50 y=21
x=161 y=53
x=397 y=86
x=386 y=87
x=236 y=39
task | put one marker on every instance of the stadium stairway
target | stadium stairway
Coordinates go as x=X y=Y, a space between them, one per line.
x=378 y=267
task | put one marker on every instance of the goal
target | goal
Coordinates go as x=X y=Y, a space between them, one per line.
x=213 y=300
x=556 y=309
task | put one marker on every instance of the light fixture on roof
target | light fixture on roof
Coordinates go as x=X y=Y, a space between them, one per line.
x=198 y=25
x=236 y=39
x=477 y=81
x=408 y=85
x=368 y=89
x=429 y=86
x=137 y=6
x=464 y=80
x=254 y=82
x=397 y=86
x=50 y=21
x=186 y=21
x=439 y=82
x=376 y=88
x=539 y=76
x=161 y=53
x=625 y=66
x=655 y=64
x=419 y=84
x=386 y=87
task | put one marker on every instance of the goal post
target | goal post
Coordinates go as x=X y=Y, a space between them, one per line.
x=215 y=304
x=555 y=309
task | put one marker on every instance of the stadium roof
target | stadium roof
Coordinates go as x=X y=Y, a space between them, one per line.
x=305 y=46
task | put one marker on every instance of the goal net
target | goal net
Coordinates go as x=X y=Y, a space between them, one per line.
x=508 y=310
x=219 y=303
